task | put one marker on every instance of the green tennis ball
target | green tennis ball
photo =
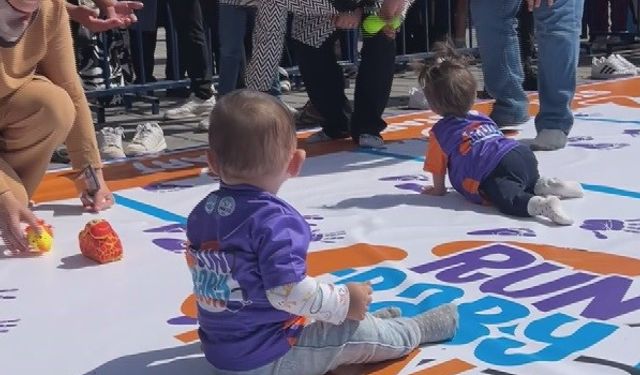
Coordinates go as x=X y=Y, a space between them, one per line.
x=374 y=24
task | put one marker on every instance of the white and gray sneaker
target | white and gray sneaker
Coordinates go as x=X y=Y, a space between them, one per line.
x=608 y=68
x=149 y=139
x=626 y=63
x=317 y=137
x=556 y=187
x=203 y=125
x=370 y=141
x=193 y=107
x=110 y=143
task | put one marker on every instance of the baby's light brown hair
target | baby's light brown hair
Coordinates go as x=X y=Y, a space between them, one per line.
x=448 y=85
x=251 y=134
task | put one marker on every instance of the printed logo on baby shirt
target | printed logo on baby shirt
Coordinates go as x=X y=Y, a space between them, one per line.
x=214 y=285
x=210 y=206
x=226 y=206
x=477 y=132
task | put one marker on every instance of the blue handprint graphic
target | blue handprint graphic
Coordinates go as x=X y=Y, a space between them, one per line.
x=407 y=182
x=600 y=226
x=632 y=132
x=507 y=232
x=586 y=143
x=6 y=325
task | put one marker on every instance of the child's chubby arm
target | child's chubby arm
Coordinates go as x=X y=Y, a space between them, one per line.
x=322 y=301
x=438 y=187
x=436 y=163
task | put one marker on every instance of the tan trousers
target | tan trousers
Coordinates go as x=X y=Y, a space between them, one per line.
x=33 y=122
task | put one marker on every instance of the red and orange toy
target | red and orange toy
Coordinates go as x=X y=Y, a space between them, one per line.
x=98 y=241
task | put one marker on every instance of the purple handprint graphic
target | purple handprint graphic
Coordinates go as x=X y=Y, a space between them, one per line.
x=166 y=187
x=632 y=132
x=407 y=182
x=6 y=325
x=7 y=294
x=585 y=142
x=173 y=245
x=171 y=228
x=182 y=321
x=508 y=232
x=600 y=226
x=408 y=177
x=331 y=237
x=318 y=236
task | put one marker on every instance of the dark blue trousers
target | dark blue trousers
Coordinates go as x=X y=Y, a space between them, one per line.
x=510 y=186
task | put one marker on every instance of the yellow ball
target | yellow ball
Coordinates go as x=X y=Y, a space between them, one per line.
x=39 y=242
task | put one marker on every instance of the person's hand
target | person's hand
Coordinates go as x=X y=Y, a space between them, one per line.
x=359 y=300
x=118 y=14
x=101 y=200
x=12 y=215
x=349 y=21
x=122 y=10
x=391 y=9
x=433 y=190
x=536 y=4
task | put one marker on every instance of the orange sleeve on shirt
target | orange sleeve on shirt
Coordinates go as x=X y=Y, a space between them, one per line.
x=436 y=159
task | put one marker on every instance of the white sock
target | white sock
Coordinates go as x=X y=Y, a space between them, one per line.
x=438 y=324
x=549 y=140
x=549 y=207
x=562 y=189
x=388 y=313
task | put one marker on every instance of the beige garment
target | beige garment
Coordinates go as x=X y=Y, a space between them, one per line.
x=46 y=49
x=33 y=122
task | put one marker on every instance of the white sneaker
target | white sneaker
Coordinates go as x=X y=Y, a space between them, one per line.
x=609 y=68
x=626 y=63
x=370 y=141
x=549 y=207
x=110 y=143
x=203 y=125
x=194 y=107
x=149 y=139
x=417 y=99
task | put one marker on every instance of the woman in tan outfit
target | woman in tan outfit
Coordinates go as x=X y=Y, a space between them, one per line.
x=42 y=105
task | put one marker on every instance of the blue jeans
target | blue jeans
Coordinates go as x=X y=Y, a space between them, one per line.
x=232 y=29
x=557 y=31
x=323 y=347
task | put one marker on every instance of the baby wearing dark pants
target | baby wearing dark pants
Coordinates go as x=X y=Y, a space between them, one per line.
x=483 y=165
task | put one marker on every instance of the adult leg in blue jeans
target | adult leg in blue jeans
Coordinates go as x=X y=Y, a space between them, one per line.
x=233 y=24
x=558 y=35
x=496 y=27
x=231 y=30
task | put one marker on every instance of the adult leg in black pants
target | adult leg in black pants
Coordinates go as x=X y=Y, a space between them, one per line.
x=192 y=43
x=373 y=86
x=324 y=82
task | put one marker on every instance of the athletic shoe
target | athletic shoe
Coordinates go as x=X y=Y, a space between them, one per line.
x=417 y=99
x=609 y=68
x=193 y=107
x=317 y=137
x=370 y=141
x=309 y=117
x=149 y=139
x=110 y=143
x=626 y=63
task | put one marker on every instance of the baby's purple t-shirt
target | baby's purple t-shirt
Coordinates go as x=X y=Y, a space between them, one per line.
x=242 y=242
